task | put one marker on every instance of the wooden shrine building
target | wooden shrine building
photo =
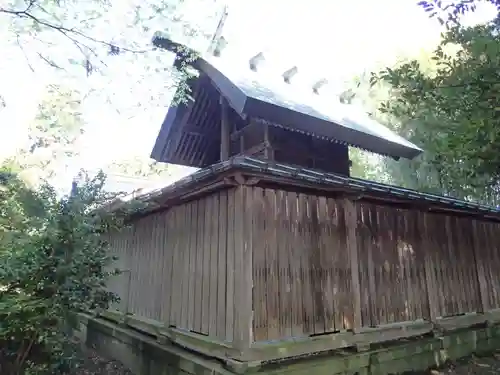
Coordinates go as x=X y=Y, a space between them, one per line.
x=271 y=251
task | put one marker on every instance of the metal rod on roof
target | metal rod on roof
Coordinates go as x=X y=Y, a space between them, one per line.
x=256 y=60
x=214 y=44
x=319 y=84
x=221 y=44
x=290 y=73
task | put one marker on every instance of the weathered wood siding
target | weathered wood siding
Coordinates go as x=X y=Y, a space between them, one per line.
x=407 y=265
x=183 y=265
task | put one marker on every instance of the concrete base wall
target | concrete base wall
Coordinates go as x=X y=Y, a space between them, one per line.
x=145 y=356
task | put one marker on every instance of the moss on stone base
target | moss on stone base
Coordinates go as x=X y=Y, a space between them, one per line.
x=145 y=356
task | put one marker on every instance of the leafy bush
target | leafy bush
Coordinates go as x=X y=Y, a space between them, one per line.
x=53 y=262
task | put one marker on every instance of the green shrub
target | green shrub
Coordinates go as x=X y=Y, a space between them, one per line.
x=53 y=262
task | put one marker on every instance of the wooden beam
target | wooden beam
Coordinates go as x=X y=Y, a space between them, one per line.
x=243 y=269
x=478 y=260
x=268 y=150
x=252 y=126
x=224 y=129
x=351 y=222
x=430 y=282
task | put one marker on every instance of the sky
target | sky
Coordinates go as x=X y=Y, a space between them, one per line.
x=324 y=38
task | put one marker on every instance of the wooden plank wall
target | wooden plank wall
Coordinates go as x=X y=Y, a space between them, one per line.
x=182 y=265
x=411 y=265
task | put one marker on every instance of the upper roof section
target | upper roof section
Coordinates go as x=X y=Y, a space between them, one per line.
x=188 y=134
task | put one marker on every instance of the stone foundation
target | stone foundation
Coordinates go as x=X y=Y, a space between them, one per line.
x=143 y=355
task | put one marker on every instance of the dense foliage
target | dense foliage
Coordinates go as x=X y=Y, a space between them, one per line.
x=447 y=102
x=53 y=262
x=453 y=109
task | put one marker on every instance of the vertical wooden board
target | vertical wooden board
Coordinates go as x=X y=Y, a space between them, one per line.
x=494 y=256
x=283 y=264
x=221 y=266
x=271 y=285
x=337 y=254
x=480 y=263
x=386 y=255
x=379 y=263
x=247 y=267
x=174 y=238
x=259 y=267
x=184 y=266
x=352 y=248
x=438 y=228
x=148 y=278
x=125 y=266
x=230 y=300
x=326 y=264
x=429 y=268
x=134 y=273
x=206 y=271
x=363 y=264
x=156 y=270
x=494 y=235
x=458 y=258
x=487 y=251
x=316 y=267
x=452 y=267
x=239 y=239
x=396 y=302
x=405 y=253
x=198 y=258
x=306 y=266
x=412 y=264
x=160 y=264
x=494 y=246
x=401 y=270
x=385 y=265
x=417 y=240
x=468 y=280
x=130 y=264
x=418 y=234
x=136 y=304
x=486 y=255
x=214 y=270
x=168 y=247
x=461 y=250
x=473 y=271
x=297 y=291
x=372 y=265
x=288 y=253
x=129 y=252
x=194 y=244
x=345 y=275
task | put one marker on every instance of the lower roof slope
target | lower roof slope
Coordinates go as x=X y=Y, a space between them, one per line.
x=289 y=175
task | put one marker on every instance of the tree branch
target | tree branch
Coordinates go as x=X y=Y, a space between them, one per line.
x=65 y=31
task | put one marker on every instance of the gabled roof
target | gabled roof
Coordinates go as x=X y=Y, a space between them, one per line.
x=272 y=100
